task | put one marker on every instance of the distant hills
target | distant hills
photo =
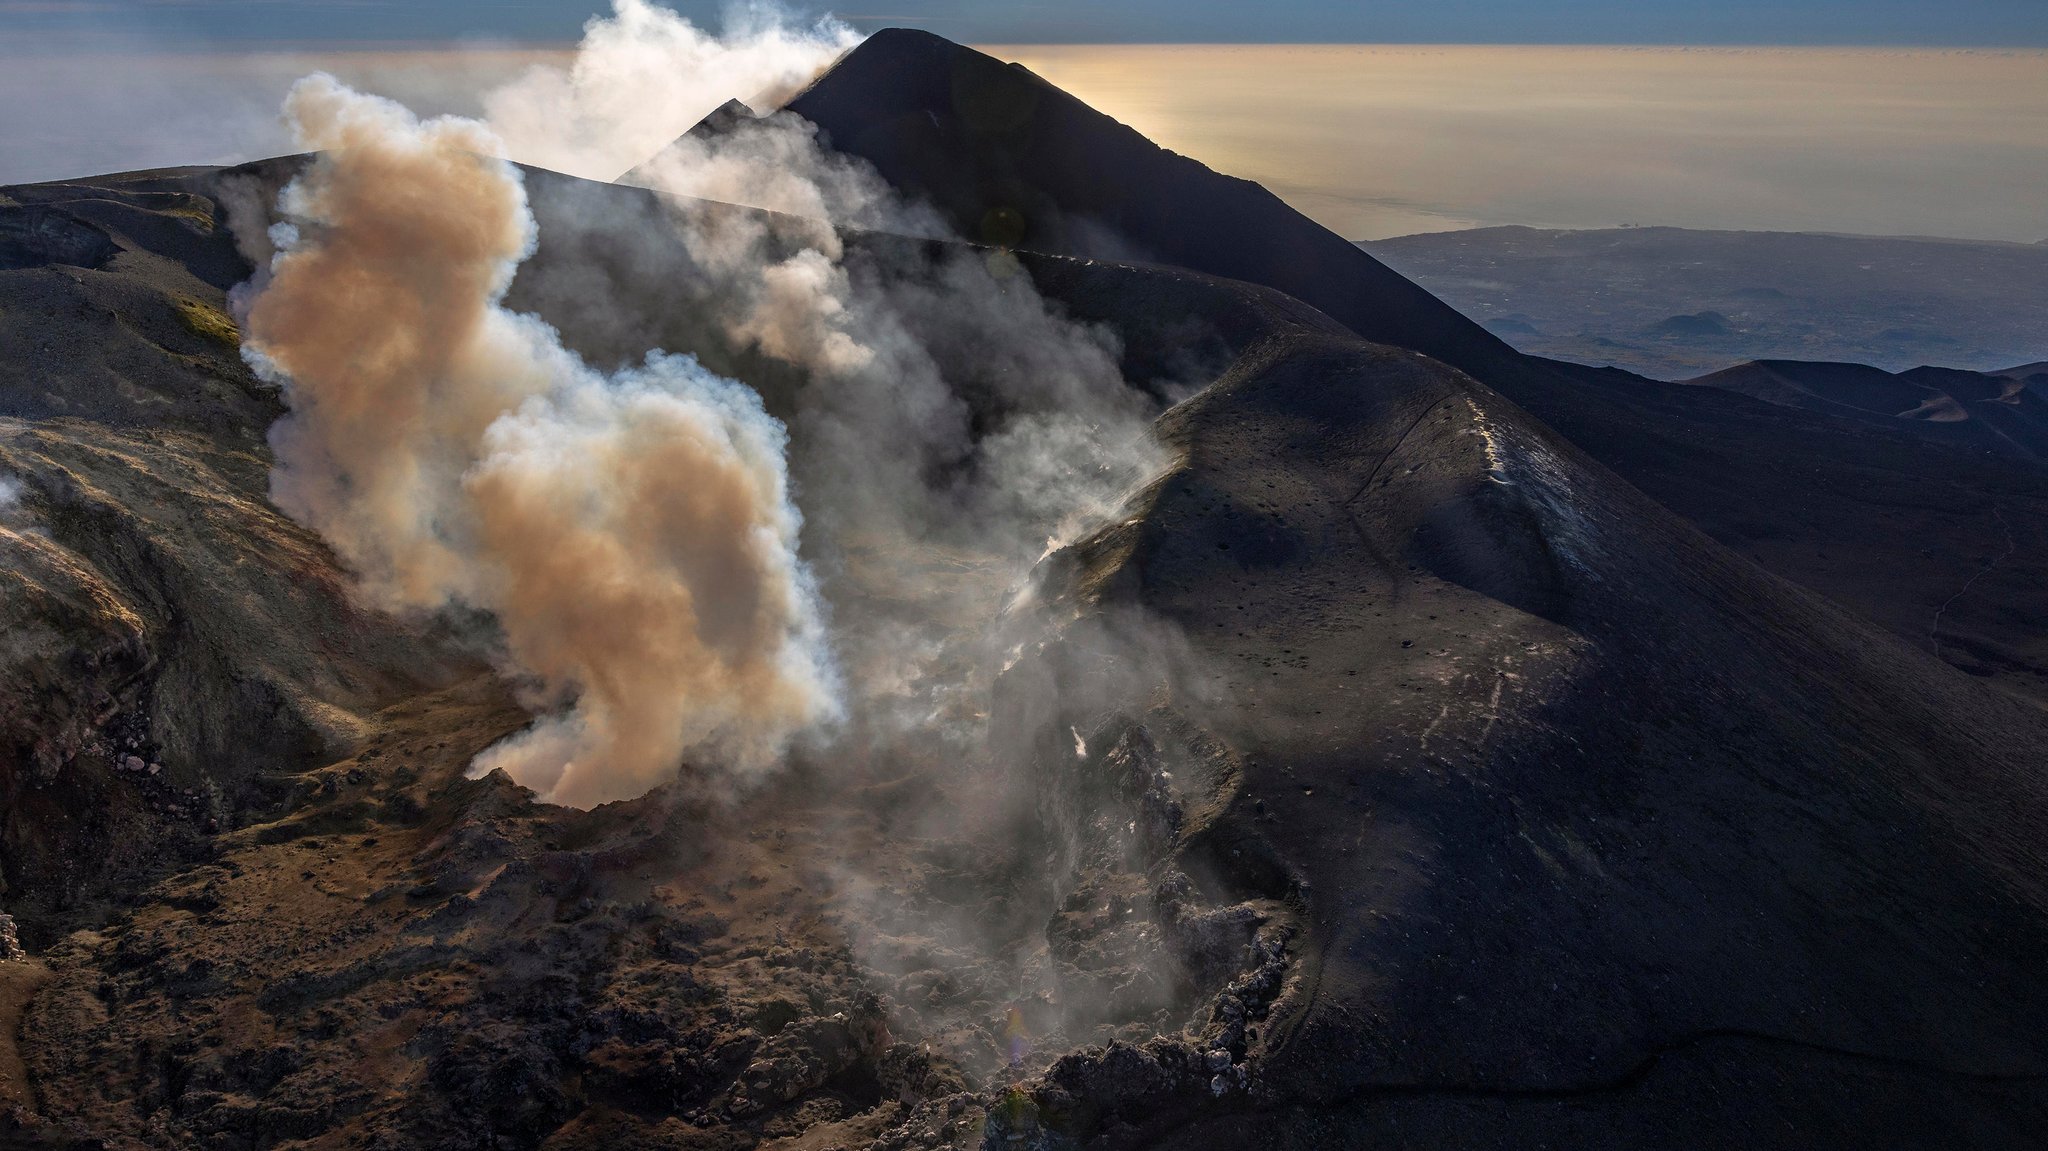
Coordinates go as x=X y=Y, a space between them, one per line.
x=1676 y=302
x=1997 y=411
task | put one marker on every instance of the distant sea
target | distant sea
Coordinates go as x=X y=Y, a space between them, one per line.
x=1370 y=140
x=1377 y=140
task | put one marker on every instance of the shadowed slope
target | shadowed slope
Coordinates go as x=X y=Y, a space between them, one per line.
x=1009 y=159
x=1994 y=411
x=1574 y=805
x=1863 y=511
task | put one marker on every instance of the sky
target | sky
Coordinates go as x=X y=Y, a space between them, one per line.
x=1980 y=23
x=1382 y=140
x=1372 y=140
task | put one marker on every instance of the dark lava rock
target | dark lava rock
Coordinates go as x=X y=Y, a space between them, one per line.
x=32 y=236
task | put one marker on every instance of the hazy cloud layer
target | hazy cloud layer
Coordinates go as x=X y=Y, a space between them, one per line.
x=1373 y=141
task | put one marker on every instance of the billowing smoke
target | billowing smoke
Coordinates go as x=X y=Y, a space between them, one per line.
x=953 y=426
x=645 y=74
x=634 y=532
x=633 y=536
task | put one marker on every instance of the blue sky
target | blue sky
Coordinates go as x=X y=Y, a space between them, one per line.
x=2006 y=23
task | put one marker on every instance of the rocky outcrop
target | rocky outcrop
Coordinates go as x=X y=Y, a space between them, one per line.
x=32 y=236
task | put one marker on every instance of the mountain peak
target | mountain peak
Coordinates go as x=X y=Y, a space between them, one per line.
x=1011 y=160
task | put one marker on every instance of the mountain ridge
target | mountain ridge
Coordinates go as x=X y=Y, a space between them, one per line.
x=902 y=91
x=1652 y=434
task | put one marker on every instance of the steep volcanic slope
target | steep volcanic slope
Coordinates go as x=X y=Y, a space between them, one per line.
x=1012 y=160
x=1902 y=532
x=1397 y=772
x=1945 y=545
x=1599 y=835
x=172 y=639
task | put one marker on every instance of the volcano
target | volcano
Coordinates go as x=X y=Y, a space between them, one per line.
x=1447 y=747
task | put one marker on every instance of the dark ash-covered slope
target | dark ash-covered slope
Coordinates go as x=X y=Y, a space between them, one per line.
x=1867 y=514
x=1009 y=159
x=1599 y=835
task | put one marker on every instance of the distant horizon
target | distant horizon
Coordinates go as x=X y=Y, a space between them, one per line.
x=1371 y=140
x=1386 y=140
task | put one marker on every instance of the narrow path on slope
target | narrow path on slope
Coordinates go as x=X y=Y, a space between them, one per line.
x=1934 y=631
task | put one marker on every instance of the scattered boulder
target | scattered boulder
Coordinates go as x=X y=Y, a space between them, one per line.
x=803 y=1057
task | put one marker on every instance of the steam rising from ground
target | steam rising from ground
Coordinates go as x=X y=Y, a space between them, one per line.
x=645 y=74
x=952 y=426
x=633 y=535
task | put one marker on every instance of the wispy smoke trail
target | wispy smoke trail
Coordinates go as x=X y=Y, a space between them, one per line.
x=645 y=75
x=633 y=535
x=946 y=402
x=950 y=415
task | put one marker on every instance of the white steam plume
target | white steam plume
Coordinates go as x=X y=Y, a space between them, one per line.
x=633 y=535
x=951 y=424
x=948 y=407
x=645 y=75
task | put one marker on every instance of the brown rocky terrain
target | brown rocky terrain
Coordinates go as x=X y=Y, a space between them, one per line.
x=303 y=924
x=1415 y=760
